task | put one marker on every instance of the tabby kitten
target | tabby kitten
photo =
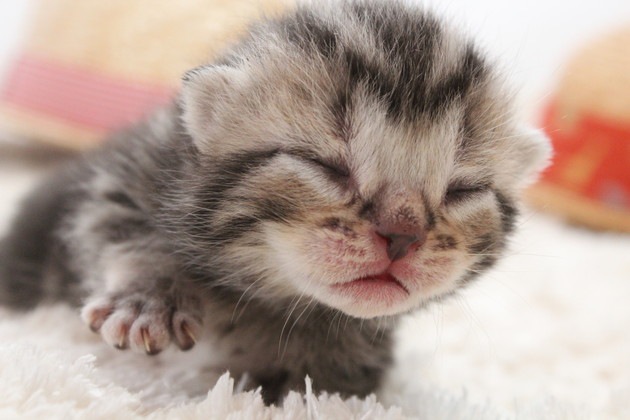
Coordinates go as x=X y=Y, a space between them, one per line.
x=344 y=163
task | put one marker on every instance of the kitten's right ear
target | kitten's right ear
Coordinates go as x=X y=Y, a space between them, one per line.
x=534 y=154
x=204 y=96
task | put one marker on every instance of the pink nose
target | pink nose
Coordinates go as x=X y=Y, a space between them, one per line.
x=399 y=244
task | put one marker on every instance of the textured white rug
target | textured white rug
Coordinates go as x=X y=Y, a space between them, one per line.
x=544 y=336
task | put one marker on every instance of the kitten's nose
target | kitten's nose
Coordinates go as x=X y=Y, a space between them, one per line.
x=399 y=244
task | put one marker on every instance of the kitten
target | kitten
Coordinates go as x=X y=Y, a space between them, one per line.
x=345 y=163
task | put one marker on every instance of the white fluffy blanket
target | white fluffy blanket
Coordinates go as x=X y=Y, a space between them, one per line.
x=544 y=336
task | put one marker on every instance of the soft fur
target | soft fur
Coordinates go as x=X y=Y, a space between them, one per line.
x=346 y=163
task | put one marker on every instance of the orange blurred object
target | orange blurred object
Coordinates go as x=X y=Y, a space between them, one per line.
x=588 y=122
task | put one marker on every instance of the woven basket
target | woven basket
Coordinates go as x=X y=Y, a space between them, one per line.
x=589 y=125
x=91 y=66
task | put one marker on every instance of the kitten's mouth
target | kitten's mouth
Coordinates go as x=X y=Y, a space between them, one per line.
x=382 y=286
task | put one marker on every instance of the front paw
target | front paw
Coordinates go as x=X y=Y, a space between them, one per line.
x=146 y=322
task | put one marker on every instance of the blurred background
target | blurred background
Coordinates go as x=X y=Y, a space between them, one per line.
x=552 y=320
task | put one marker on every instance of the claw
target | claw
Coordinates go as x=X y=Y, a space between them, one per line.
x=147 y=343
x=95 y=315
x=121 y=342
x=189 y=332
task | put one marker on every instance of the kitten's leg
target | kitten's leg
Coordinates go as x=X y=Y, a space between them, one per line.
x=146 y=317
x=137 y=296
x=33 y=263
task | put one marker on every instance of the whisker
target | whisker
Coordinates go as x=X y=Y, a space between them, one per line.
x=297 y=301
x=294 y=324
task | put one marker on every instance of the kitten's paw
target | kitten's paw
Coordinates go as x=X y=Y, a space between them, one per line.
x=143 y=322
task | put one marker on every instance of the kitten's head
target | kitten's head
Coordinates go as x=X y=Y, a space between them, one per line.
x=363 y=156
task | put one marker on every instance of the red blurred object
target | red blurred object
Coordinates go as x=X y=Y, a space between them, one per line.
x=94 y=101
x=588 y=122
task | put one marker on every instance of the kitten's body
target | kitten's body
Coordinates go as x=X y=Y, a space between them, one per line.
x=339 y=166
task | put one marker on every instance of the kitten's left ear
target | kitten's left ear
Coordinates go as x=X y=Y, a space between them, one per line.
x=533 y=155
x=205 y=94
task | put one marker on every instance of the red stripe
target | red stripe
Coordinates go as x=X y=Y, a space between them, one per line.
x=79 y=95
x=609 y=181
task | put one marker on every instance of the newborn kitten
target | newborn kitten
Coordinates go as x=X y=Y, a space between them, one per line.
x=340 y=166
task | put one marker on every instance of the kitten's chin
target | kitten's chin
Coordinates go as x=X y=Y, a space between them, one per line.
x=368 y=297
x=370 y=308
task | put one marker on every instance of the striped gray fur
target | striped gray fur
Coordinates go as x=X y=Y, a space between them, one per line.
x=233 y=212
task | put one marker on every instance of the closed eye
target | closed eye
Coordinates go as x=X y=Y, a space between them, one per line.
x=458 y=193
x=331 y=168
x=335 y=170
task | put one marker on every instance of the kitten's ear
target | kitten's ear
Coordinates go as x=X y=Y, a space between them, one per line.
x=204 y=95
x=534 y=154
